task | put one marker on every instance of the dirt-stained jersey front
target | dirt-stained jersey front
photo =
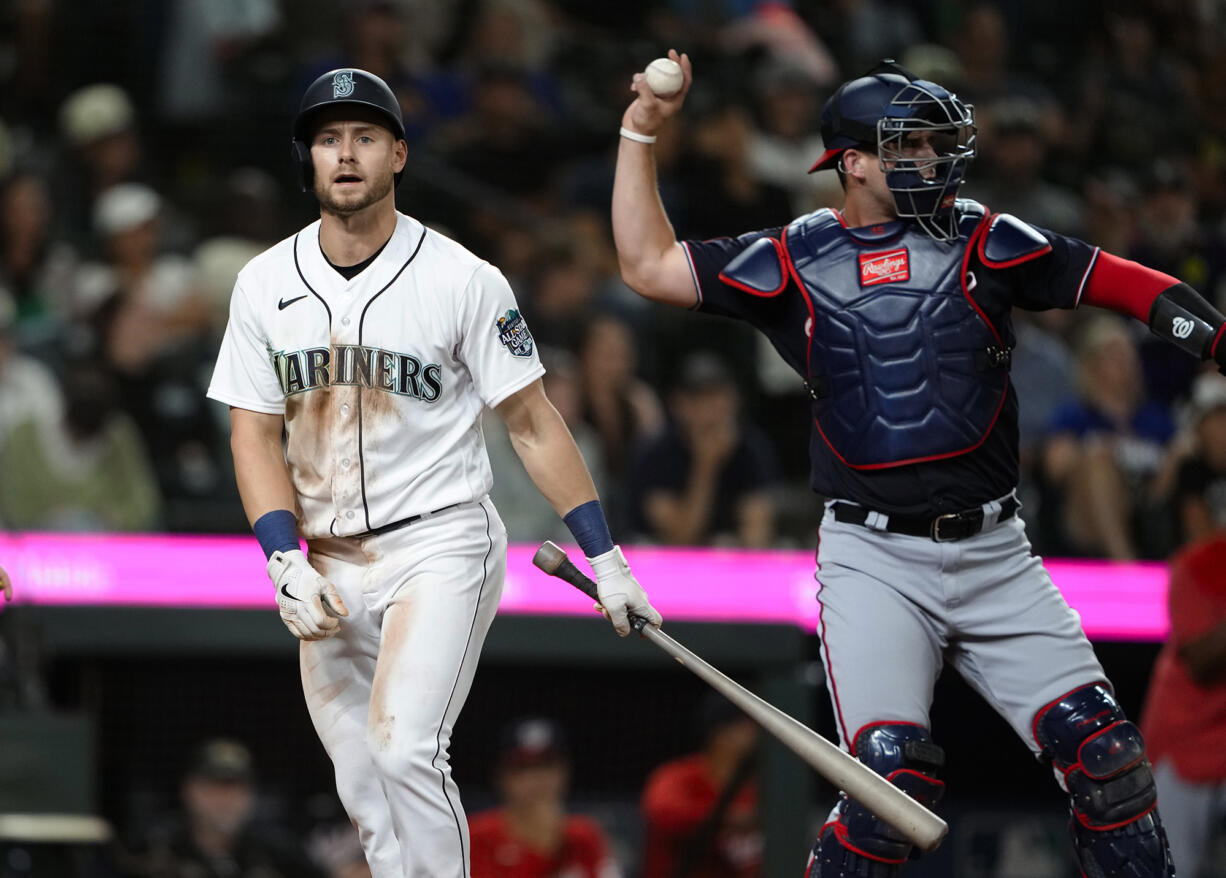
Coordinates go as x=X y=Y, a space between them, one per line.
x=381 y=378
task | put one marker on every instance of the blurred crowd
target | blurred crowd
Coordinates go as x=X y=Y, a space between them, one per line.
x=144 y=157
x=697 y=817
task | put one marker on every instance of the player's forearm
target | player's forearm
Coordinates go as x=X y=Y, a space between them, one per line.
x=1173 y=310
x=641 y=231
x=259 y=467
x=553 y=461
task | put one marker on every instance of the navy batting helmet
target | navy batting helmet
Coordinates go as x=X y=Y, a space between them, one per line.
x=343 y=86
x=877 y=112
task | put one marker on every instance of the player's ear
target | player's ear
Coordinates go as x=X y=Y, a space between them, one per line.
x=853 y=162
x=400 y=156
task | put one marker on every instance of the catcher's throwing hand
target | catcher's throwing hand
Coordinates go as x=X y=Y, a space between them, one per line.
x=620 y=593
x=6 y=585
x=649 y=111
x=309 y=603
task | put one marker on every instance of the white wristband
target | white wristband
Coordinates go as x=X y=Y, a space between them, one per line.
x=635 y=136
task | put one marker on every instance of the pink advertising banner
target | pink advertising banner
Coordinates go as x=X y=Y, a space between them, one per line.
x=1116 y=601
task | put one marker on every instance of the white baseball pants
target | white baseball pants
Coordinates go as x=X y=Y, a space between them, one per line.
x=384 y=694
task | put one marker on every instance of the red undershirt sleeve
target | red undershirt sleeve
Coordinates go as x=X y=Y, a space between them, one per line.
x=1125 y=286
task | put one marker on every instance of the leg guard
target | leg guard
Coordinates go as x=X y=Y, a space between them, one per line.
x=1100 y=757
x=854 y=843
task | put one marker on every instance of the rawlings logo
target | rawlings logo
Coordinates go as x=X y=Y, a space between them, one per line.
x=342 y=84
x=1181 y=327
x=513 y=333
x=884 y=268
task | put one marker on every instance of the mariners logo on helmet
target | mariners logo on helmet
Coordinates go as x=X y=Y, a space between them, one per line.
x=342 y=84
x=513 y=333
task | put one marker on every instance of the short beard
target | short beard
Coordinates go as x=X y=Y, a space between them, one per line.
x=377 y=190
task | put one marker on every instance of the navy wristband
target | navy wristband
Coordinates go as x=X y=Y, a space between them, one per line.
x=587 y=522
x=277 y=531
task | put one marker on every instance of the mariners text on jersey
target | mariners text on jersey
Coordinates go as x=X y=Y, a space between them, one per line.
x=359 y=366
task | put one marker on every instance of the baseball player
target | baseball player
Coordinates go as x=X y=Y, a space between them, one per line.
x=357 y=360
x=896 y=313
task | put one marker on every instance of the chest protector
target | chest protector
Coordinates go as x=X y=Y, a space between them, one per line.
x=903 y=364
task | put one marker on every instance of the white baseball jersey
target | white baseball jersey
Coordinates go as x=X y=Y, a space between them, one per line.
x=382 y=379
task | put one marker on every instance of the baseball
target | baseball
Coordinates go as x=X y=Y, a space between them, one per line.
x=664 y=77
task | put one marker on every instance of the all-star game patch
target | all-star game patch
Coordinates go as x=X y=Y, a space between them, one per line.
x=513 y=333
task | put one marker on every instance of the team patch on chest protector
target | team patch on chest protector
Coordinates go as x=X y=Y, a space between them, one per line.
x=513 y=333
x=359 y=366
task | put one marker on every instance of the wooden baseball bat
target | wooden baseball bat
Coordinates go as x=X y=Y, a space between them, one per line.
x=866 y=786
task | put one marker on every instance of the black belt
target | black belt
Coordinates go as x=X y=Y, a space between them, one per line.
x=942 y=528
x=405 y=522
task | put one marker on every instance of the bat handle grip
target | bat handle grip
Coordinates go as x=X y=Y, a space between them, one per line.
x=553 y=561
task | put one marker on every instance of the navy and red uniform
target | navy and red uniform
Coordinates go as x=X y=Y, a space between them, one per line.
x=1053 y=278
x=904 y=342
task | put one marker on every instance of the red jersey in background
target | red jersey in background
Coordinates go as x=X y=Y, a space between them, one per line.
x=676 y=801
x=1183 y=721
x=584 y=852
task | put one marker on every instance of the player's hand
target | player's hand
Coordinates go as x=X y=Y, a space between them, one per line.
x=310 y=605
x=648 y=113
x=620 y=593
x=6 y=585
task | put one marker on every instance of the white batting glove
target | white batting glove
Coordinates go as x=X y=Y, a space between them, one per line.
x=620 y=593
x=309 y=603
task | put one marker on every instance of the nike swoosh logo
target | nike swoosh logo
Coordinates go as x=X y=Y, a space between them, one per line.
x=286 y=593
x=282 y=305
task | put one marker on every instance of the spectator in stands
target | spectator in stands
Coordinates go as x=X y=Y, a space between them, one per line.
x=1200 y=486
x=1017 y=148
x=562 y=292
x=783 y=147
x=215 y=836
x=28 y=389
x=35 y=267
x=1136 y=101
x=154 y=329
x=721 y=188
x=617 y=403
x=870 y=30
x=1105 y=456
x=83 y=471
x=1171 y=239
x=507 y=142
x=1184 y=720
x=705 y=480
x=530 y=835
x=701 y=810
x=98 y=127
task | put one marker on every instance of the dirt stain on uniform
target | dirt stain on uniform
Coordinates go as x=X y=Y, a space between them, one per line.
x=382 y=736
x=379 y=407
x=395 y=630
x=308 y=418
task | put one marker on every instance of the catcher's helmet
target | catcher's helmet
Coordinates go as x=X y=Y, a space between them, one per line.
x=342 y=86
x=878 y=111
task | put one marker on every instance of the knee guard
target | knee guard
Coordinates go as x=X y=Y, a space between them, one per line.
x=854 y=842
x=1100 y=757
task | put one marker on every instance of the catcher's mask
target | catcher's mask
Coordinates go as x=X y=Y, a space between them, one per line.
x=884 y=109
